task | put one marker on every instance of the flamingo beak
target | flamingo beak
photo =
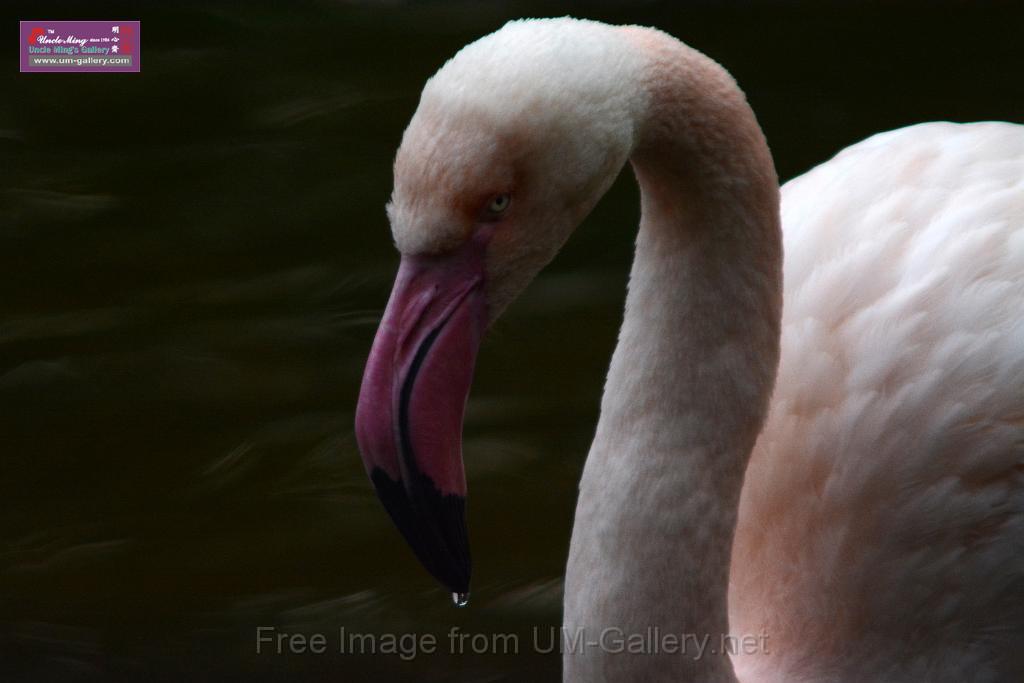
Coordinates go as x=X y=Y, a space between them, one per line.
x=412 y=401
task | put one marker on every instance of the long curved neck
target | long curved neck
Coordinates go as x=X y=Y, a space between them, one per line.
x=688 y=385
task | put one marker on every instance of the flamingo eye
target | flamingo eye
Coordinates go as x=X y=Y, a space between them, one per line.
x=499 y=203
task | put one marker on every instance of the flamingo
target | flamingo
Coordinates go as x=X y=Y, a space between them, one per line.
x=832 y=490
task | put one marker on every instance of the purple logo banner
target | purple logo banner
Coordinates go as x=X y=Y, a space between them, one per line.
x=76 y=46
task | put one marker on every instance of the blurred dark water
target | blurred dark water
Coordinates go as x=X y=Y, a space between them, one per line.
x=192 y=263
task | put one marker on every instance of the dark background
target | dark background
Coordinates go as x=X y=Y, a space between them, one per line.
x=192 y=263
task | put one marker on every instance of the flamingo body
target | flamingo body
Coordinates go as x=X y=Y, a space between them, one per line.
x=883 y=508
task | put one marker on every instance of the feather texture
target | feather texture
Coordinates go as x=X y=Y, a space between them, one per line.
x=881 y=527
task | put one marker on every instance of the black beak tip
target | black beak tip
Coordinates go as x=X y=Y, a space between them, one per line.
x=432 y=523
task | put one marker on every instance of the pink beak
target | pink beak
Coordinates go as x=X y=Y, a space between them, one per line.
x=412 y=401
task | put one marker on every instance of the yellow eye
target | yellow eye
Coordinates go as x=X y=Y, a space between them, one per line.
x=499 y=203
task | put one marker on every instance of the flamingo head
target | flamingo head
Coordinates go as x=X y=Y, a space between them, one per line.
x=513 y=142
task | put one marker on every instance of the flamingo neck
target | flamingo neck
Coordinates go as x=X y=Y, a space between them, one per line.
x=687 y=388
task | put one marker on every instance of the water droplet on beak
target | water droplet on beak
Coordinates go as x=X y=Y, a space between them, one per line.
x=460 y=599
